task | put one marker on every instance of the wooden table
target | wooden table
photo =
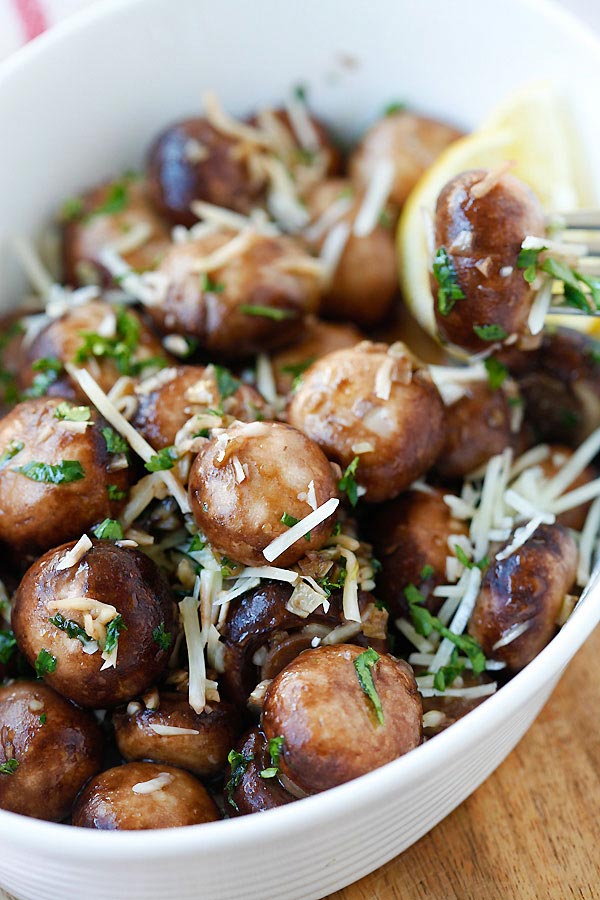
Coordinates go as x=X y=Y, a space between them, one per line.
x=532 y=830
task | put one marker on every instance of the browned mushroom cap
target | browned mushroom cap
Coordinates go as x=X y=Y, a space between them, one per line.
x=117 y=214
x=142 y=795
x=261 y=635
x=410 y=142
x=54 y=481
x=168 y=401
x=254 y=300
x=477 y=427
x=330 y=728
x=374 y=403
x=191 y=160
x=523 y=595
x=365 y=280
x=245 y=480
x=482 y=236
x=69 y=339
x=201 y=746
x=559 y=455
x=48 y=750
x=106 y=582
x=410 y=536
x=561 y=385
x=319 y=339
x=246 y=791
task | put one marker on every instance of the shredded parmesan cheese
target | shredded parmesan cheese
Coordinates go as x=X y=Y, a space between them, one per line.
x=377 y=193
x=278 y=546
x=75 y=554
x=97 y=396
x=154 y=784
x=172 y=730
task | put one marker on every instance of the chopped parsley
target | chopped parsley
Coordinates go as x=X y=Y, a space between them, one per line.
x=288 y=520
x=9 y=767
x=449 y=290
x=297 y=370
x=113 y=630
x=47 y=370
x=43 y=719
x=115 y=443
x=469 y=563
x=71 y=210
x=115 y=492
x=210 y=286
x=45 y=663
x=72 y=413
x=395 y=106
x=363 y=664
x=239 y=763
x=347 y=482
x=71 y=629
x=490 y=332
x=447 y=675
x=196 y=544
x=116 y=200
x=267 y=312
x=497 y=372
x=424 y=623
x=62 y=473
x=573 y=281
x=109 y=530
x=333 y=584
x=8 y=646
x=164 y=459
x=121 y=348
x=10 y=452
x=427 y=571
x=275 y=745
x=227 y=384
x=161 y=637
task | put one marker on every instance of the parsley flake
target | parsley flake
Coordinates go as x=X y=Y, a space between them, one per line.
x=115 y=492
x=10 y=452
x=496 y=371
x=267 y=312
x=108 y=530
x=210 y=286
x=363 y=665
x=8 y=646
x=115 y=201
x=115 y=443
x=449 y=290
x=347 y=482
x=427 y=571
x=275 y=745
x=72 y=413
x=164 y=459
x=71 y=629
x=113 y=630
x=227 y=384
x=490 y=332
x=47 y=370
x=9 y=767
x=45 y=663
x=161 y=637
x=43 y=719
x=239 y=763
x=62 y=473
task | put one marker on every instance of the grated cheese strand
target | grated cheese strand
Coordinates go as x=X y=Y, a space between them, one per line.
x=154 y=784
x=189 y=607
x=97 y=396
x=75 y=554
x=377 y=193
x=278 y=546
x=171 y=730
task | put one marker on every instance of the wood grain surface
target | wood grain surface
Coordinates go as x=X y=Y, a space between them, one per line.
x=532 y=830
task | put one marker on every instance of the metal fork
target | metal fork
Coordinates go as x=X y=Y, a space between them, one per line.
x=582 y=229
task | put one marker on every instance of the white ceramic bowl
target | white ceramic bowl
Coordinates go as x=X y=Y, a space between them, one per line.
x=81 y=104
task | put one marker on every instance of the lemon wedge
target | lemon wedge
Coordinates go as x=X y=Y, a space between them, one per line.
x=533 y=129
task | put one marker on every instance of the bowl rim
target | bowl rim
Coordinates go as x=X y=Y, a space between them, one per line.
x=245 y=831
